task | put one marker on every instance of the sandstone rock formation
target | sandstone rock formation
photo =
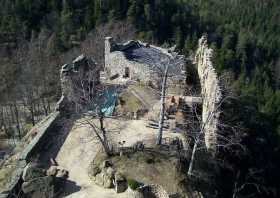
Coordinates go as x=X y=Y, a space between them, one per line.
x=120 y=183
x=38 y=182
x=57 y=172
x=105 y=176
x=210 y=91
x=102 y=175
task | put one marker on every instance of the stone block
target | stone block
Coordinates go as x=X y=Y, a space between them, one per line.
x=120 y=183
x=31 y=172
x=40 y=184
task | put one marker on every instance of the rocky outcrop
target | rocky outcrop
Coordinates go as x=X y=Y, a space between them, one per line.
x=105 y=176
x=210 y=91
x=102 y=175
x=42 y=187
x=120 y=183
x=78 y=80
x=57 y=172
x=32 y=172
x=38 y=182
x=34 y=142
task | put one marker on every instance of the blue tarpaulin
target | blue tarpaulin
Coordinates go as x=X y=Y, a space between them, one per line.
x=105 y=101
x=109 y=100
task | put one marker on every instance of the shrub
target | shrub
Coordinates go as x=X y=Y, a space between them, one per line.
x=150 y=161
x=133 y=184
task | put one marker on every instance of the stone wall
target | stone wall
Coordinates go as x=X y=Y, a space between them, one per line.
x=78 y=80
x=78 y=70
x=210 y=91
x=43 y=129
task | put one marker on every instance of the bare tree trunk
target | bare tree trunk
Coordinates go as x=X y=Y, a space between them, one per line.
x=48 y=105
x=44 y=106
x=105 y=139
x=3 y=122
x=162 y=107
x=235 y=190
x=192 y=158
x=31 y=109
x=12 y=114
x=17 y=120
x=8 y=120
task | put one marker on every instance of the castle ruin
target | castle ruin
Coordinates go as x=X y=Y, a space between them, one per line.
x=133 y=61
x=144 y=63
x=210 y=91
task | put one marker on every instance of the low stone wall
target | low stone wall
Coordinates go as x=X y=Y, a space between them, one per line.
x=210 y=91
x=44 y=128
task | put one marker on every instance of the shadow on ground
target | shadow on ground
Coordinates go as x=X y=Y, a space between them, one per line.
x=69 y=187
x=55 y=141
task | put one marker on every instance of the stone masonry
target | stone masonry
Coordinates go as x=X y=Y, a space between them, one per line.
x=78 y=82
x=144 y=63
x=210 y=91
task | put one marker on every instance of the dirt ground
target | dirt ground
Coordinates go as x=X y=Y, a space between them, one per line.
x=80 y=148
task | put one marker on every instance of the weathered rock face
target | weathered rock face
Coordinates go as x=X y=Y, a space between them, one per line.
x=210 y=91
x=102 y=175
x=145 y=63
x=31 y=172
x=42 y=187
x=120 y=183
x=57 y=172
x=38 y=182
x=105 y=176
x=78 y=81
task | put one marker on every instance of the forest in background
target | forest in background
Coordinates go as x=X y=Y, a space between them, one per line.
x=38 y=36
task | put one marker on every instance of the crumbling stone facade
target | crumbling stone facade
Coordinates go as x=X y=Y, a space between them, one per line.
x=144 y=63
x=78 y=80
x=210 y=91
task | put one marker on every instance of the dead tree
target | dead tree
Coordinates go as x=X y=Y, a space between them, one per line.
x=90 y=100
x=223 y=140
x=162 y=106
x=161 y=69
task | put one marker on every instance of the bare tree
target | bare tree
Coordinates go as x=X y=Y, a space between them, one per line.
x=227 y=136
x=162 y=105
x=92 y=100
x=161 y=69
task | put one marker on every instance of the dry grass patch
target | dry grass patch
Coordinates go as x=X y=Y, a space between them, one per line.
x=150 y=167
x=130 y=103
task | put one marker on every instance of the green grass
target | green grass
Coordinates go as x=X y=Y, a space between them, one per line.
x=133 y=184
